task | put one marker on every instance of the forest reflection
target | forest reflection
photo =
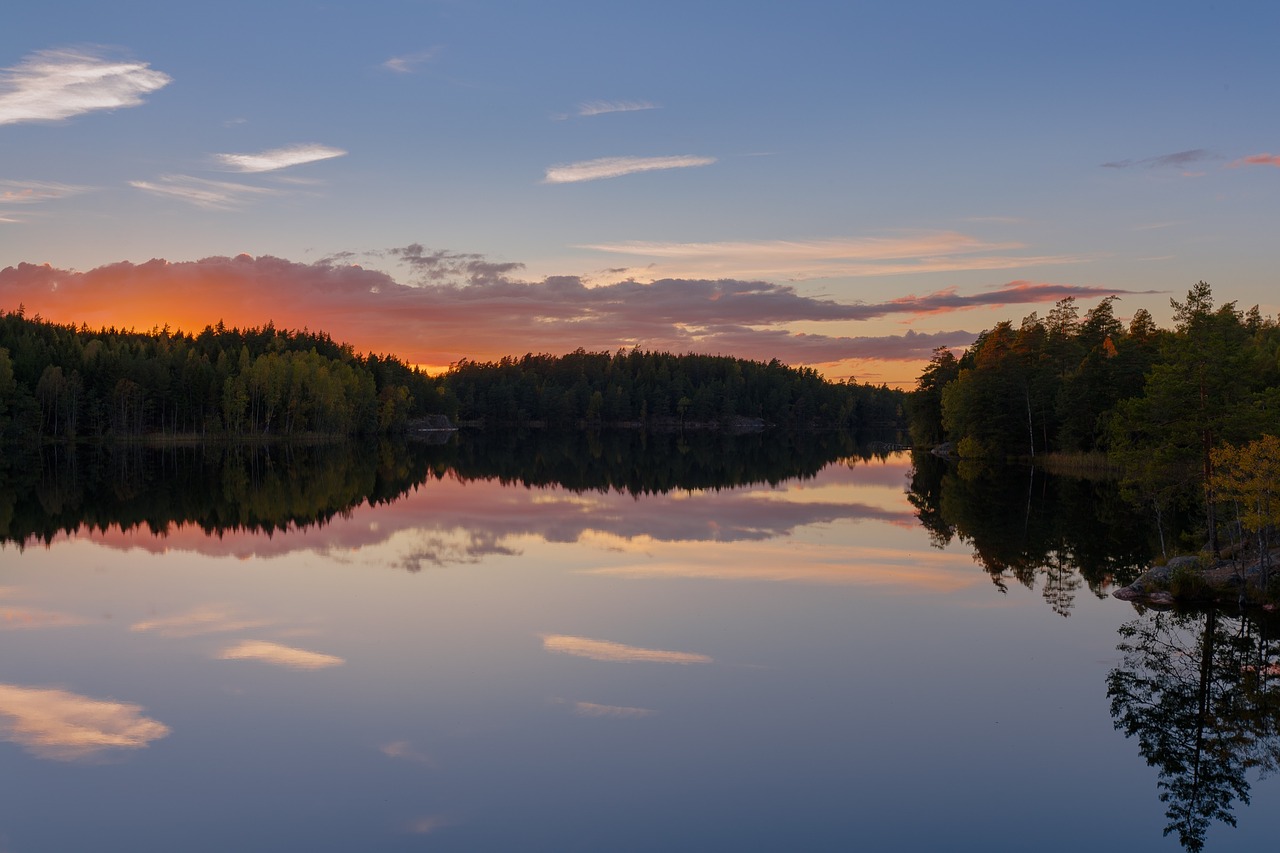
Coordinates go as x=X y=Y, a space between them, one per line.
x=1035 y=528
x=1059 y=534
x=268 y=489
x=1201 y=693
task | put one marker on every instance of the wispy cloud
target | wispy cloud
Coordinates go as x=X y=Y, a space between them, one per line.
x=409 y=62
x=595 y=108
x=212 y=195
x=274 y=653
x=22 y=618
x=616 y=167
x=65 y=726
x=279 y=158
x=1176 y=160
x=208 y=619
x=605 y=650
x=592 y=709
x=786 y=562
x=1256 y=160
x=404 y=750
x=429 y=824
x=935 y=251
x=34 y=192
x=52 y=85
x=19 y=617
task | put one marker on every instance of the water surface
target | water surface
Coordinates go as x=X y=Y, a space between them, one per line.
x=674 y=647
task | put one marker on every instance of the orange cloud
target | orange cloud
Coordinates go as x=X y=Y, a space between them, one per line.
x=466 y=307
x=605 y=650
x=1256 y=160
x=274 y=653
x=66 y=726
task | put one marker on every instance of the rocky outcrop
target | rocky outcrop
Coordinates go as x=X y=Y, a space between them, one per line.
x=1197 y=579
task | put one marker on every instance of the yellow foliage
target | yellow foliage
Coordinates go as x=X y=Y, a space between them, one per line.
x=1250 y=476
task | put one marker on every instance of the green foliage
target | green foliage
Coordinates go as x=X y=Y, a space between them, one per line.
x=1156 y=402
x=657 y=388
x=924 y=405
x=60 y=381
x=1187 y=583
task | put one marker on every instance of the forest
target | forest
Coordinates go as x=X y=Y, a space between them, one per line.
x=1184 y=415
x=638 y=387
x=67 y=382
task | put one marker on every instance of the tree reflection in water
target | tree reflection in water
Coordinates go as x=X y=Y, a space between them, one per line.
x=1201 y=693
x=1036 y=528
x=268 y=488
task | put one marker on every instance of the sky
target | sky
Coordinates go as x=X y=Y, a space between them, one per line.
x=838 y=184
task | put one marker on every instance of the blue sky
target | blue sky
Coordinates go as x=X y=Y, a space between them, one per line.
x=846 y=154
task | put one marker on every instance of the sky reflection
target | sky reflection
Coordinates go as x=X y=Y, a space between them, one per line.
x=606 y=650
x=279 y=655
x=65 y=726
x=810 y=676
x=451 y=522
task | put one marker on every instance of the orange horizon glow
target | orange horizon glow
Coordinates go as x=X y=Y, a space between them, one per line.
x=435 y=327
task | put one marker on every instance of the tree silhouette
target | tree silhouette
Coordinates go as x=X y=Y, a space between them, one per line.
x=1199 y=691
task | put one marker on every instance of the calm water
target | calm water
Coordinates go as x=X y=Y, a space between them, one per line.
x=491 y=661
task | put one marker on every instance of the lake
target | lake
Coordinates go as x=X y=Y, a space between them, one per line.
x=606 y=643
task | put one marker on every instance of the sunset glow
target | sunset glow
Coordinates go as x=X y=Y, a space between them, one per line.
x=445 y=183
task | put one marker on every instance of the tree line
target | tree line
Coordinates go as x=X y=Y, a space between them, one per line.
x=64 y=381
x=639 y=387
x=1163 y=405
x=68 y=382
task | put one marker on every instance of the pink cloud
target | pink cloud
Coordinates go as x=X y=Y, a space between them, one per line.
x=1256 y=160
x=461 y=522
x=466 y=307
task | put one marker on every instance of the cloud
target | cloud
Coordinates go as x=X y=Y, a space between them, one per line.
x=24 y=618
x=52 y=85
x=279 y=158
x=443 y=265
x=470 y=308
x=788 y=562
x=1177 y=160
x=201 y=620
x=595 y=108
x=429 y=824
x=945 y=251
x=35 y=192
x=65 y=726
x=409 y=62
x=615 y=167
x=1256 y=160
x=402 y=749
x=274 y=653
x=212 y=195
x=591 y=709
x=605 y=650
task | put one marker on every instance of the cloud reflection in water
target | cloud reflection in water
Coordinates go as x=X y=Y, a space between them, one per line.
x=65 y=726
x=605 y=650
x=275 y=653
